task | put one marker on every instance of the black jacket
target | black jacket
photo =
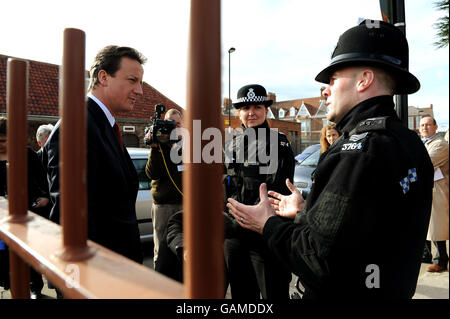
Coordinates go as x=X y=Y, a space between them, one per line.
x=112 y=186
x=362 y=233
x=37 y=182
x=246 y=170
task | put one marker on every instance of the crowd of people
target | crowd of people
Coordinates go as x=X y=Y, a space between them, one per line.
x=336 y=241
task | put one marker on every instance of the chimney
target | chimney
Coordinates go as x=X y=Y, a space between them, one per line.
x=431 y=106
x=272 y=96
x=227 y=103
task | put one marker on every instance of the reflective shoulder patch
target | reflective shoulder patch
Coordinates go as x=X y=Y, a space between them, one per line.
x=357 y=137
x=355 y=142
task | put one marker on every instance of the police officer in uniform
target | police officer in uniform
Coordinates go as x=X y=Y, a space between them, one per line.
x=258 y=155
x=372 y=188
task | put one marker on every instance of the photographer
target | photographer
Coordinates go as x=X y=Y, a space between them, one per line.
x=166 y=180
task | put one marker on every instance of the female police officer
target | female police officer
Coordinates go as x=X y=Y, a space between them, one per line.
x=257 y=155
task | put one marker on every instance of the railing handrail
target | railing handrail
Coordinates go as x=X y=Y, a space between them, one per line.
x=106 y=275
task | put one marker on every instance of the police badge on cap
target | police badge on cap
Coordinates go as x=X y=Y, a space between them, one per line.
x=374 y=43
x=252 y=94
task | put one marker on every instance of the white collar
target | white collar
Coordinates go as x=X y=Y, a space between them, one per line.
x=108 y=114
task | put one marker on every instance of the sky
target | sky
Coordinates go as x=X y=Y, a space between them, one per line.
x=280 y=44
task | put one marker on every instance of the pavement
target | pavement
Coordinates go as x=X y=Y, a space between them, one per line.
x=429 y=285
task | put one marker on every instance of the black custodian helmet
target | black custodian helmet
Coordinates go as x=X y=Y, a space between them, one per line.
x=374 y=43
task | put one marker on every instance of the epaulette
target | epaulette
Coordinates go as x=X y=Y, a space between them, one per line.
x=373 y=124
x=284 y=141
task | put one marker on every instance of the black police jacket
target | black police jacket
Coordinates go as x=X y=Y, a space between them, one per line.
x=363 y=230
x=258 y=155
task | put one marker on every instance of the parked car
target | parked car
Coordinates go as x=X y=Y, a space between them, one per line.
x=306 y=152
x=303 y=171
x=139 y=156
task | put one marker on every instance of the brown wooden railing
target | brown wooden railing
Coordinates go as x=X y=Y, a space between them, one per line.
x=79 y=267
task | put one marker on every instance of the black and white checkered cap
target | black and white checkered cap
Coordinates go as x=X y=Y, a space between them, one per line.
x=252 y=99
x=250 y=94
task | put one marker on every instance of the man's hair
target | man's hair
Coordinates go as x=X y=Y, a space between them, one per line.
x=3 y=125
x=43 y=131
x=109 y=58
x=425 y=116
x=173 y=111
x=386 y=80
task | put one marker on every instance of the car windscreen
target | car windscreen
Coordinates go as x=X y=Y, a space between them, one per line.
x=144 y=181
x=311 y=148
x=311 y=160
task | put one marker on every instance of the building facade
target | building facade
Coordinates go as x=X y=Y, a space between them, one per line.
x=43 y=103
x=415 y=114
x=310 y=113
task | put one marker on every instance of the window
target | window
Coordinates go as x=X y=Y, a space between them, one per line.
x=303 y=111
x=418 y=118
x=281 y=113
x=292 y=111
x=411 y=122
x=305 y=125
x=325 y=122
x=144 y=181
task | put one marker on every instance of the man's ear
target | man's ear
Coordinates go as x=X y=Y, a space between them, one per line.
x=365 y=80
x=102 y=77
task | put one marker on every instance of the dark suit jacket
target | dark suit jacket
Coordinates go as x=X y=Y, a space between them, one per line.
x=37 y=181
x=112 y=186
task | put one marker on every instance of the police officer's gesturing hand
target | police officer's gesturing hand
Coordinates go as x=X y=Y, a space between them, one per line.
x=287 y=206
x=252 y=217
x=255 y=217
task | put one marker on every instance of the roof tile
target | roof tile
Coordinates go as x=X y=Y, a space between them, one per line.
x=43 y=90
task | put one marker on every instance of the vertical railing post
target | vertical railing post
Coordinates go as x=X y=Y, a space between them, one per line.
x=17 y=93
x=73 y=148
x=17 y=77
x=202 y=182
x=20 y=277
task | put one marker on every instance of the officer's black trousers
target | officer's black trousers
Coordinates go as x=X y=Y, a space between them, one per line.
x=253 y=272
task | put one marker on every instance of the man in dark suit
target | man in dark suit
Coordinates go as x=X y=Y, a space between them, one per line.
x=112 y=183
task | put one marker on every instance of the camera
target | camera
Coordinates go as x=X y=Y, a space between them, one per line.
x=160 y=129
